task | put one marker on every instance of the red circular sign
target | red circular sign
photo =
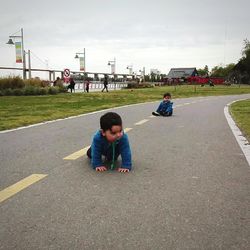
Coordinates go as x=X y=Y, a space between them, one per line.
x=66 y=72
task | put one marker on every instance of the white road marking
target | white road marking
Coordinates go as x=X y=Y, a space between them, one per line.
x=141 y=122
x=242 y=141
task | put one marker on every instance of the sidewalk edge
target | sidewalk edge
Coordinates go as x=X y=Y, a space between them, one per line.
x=242 y=141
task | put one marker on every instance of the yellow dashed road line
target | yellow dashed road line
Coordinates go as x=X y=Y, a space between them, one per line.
x=83 y=151
x=19 y=186
x=77 y=154
x=127 y=129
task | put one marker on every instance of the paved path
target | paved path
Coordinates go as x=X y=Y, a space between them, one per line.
x=189 y=188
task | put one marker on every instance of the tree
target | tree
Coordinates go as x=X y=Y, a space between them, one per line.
x=246 y=49
x=147 y=78
x=241 y=71
x=203 y=72
x=153 y=77
x=220 y=71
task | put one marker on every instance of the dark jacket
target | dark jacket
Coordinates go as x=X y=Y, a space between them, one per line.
x=165 y=107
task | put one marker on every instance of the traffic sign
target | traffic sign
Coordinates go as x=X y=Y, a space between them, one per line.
x=66 y=72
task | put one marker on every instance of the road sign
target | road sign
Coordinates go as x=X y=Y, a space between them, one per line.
x=66 y=72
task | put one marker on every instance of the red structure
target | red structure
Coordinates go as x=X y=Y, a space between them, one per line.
x=205 y=80
x=190 y=75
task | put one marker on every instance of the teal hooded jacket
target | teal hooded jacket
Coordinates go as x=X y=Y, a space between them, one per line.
x=100 y=146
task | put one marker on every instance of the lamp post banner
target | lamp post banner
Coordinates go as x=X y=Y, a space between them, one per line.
x=18 y=46
x=82 y=66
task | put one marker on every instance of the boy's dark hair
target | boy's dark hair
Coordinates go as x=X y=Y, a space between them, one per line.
x=110 y=119
x=167 y=94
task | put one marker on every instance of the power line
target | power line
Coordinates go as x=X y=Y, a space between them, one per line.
x=38 y=58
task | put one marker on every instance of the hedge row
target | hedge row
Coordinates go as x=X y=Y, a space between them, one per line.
x=18 y=86
x=135 y=85
x=19 y=83
x=31 y=90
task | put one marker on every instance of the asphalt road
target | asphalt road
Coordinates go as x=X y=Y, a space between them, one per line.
x=189 y=188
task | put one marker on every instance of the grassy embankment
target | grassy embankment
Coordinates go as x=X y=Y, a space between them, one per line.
x=241 y=114
x=16 y=111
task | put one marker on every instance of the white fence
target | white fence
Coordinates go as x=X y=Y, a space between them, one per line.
x=98 y=86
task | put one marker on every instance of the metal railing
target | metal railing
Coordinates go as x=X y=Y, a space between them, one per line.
x=52 y=73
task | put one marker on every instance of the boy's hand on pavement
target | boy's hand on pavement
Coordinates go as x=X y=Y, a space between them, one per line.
x=101 y=169
x=123 y=170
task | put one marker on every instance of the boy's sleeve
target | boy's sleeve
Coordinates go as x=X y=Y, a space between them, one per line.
x=125 y=152
x=96 y=154
x=159 y=107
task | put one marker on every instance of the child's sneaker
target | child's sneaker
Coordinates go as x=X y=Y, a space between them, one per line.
x=155 y=113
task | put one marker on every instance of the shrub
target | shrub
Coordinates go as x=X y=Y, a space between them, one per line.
x=5 y=83
x=8 y=91
x=62 y=89
x=35 y=82
x=43 y=91
x=45 y=83
x=16 y=86
x=134 y=85
x=18 y=92
x=30 y=90
x=11 y=83
x=17 y=83
x=53 y=90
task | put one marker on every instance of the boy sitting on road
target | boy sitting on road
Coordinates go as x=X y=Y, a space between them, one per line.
x=111 y=142
x=166 y=106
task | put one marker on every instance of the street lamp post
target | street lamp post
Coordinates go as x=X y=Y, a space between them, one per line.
x=130 y=68
x=23 y=51
x=82 y=60
x=112 y=64
x=29 y=64
x=142 y=73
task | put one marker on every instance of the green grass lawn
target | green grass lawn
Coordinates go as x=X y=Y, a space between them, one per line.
x=16 y=111
x=241 y=114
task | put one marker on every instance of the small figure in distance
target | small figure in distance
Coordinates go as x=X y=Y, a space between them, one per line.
x=87 y=82
x=105 y=83
x=166 y=106
x=71 y=85
x=110 y=141
x=211 y=84
x=58 y=82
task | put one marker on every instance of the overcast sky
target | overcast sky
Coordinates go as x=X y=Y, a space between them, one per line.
x=153 y=34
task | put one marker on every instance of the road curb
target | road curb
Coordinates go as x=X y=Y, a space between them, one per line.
x=242 y=141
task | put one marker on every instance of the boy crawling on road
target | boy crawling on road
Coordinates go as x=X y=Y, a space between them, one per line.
x=166 y=106
x=110 y=141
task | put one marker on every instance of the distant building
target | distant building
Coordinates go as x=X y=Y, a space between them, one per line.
x=155 y=71
x=177 y=73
